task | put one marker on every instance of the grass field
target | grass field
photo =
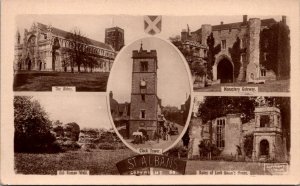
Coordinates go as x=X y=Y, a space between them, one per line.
x=269 y=86
x=102 y=162
x=43 y=81
x=97 y=162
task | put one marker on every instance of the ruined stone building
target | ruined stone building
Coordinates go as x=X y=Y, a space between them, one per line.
x=254 y=49
x=43 y=48
x=228 y=134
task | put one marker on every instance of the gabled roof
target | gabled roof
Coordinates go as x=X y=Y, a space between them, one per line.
x=64 y=34
x=264 y=22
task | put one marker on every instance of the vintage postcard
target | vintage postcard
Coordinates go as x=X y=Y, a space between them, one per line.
x=149 y=92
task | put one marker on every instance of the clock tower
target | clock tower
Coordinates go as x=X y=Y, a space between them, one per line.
x=144 y=101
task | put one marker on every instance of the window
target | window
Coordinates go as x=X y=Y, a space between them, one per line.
x=144 y=66
x=264 y=121
x=143 y=97
x=143 y=114
x=243 y=43
x=220 y=133
x=263 y=72
x=244 y=57
x=223 y=44
x=266 y=43
x=265 y=56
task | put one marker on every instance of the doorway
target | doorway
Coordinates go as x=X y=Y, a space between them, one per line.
x=225 y=71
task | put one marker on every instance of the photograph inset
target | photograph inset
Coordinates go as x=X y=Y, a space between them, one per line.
x=77 y=136
x=46 y=55
x=237 y=134
x=149 y=94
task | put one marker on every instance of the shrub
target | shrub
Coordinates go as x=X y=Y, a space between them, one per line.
x=178 y=150
x=70 y=145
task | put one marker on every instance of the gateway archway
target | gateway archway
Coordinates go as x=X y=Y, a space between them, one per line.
x=225 y=71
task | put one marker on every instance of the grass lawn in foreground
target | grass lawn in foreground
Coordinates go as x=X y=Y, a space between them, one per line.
x=269 y=86
x=97 y=161
x=43 y=81
x=103 y=162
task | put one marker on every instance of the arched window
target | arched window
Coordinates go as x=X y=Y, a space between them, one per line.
x=220 y=133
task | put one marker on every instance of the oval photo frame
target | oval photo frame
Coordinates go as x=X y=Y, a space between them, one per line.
x=149 y=95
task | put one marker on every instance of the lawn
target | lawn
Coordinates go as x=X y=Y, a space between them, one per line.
x=269 y=86
x=97 y=162
x=103 y=162
x=43 y=81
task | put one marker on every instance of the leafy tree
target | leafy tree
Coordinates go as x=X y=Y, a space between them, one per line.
x=211 y=53
x=248 y=145
x=32 y=126
x=186 y=137
x=213 y=107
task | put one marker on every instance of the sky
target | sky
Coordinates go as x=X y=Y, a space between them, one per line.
x=173 y=86
x=93 y=26
x=88 y=110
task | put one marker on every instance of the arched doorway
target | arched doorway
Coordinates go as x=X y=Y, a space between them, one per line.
x=264 y=147
x=225 y=71
x=40 y=65
x=28 y=63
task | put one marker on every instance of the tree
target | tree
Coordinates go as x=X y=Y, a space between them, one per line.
x=211 y=53
x=213 y=107
x=77 y=53
x=32 y=126
x=248 y=145
x=186 y=137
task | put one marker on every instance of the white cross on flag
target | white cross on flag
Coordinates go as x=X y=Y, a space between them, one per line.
x=152 y=24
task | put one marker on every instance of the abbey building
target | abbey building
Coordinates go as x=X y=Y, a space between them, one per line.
x=46 y=48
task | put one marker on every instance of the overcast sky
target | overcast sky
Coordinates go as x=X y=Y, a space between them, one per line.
x=173 y=84
x=93 y=26
x=86 y=109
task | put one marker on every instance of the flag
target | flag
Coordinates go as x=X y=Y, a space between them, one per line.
x=152 y=24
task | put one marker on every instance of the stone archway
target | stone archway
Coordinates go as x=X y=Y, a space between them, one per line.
x=264 y=148
x=40 y=65
x=28 y=63
x=225 y=70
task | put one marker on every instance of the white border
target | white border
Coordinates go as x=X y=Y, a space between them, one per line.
x=11 y=8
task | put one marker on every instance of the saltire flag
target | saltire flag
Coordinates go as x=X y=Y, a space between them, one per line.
x=152 y=24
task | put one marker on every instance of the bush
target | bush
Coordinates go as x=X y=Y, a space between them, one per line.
x=178 y=150
x=70 y=145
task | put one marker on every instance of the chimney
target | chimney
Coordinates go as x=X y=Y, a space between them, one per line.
x=284 y=20
x=245 y=18
x=221 y=22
